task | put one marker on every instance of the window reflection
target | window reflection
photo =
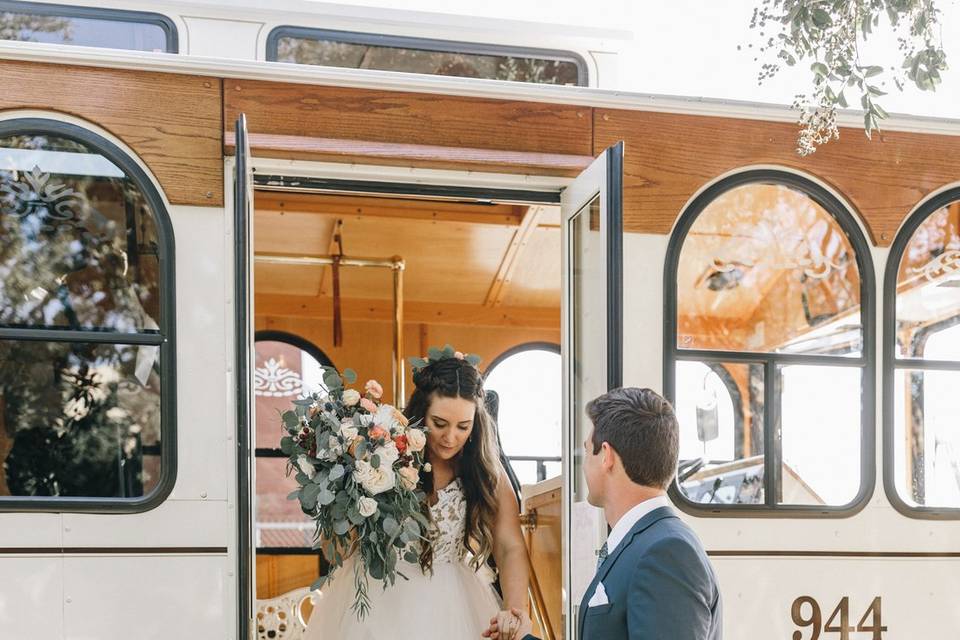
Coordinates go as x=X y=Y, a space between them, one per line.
x=79 y=420
x=720 y=410
x=764 y=268
x=80 y=249
x=81 y=328
x=926 y=437
x=420 y=58
x=69 y=28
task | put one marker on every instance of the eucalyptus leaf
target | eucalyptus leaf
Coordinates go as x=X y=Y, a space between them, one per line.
x=391 y=527
x=341 y=527
x=350 y=376
x=337 y=472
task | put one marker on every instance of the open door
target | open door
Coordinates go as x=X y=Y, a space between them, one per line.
x=243 y=279
x=592 y=340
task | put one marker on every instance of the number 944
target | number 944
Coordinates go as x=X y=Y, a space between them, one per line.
x=806 y=612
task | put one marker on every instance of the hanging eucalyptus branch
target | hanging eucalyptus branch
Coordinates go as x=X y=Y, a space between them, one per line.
x=828 y=34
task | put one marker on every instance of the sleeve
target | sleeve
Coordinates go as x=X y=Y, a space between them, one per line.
x=669 y=594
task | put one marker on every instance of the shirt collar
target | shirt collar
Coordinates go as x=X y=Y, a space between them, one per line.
x=632 y=517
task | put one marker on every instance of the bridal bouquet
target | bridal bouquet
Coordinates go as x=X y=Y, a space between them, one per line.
x=358 y=464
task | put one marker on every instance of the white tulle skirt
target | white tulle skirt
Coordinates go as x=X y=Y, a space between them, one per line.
x=455 y=603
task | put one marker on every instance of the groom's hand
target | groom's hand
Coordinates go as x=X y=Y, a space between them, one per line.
x=509 y=625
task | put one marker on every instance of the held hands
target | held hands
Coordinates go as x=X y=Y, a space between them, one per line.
x=509 y=625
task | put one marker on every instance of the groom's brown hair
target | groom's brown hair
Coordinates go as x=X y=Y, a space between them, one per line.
x=642 y=428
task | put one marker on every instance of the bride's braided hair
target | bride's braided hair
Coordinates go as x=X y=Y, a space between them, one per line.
x=479 y=462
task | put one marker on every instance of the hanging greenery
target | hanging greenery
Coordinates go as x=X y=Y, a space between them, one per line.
x=827 y=34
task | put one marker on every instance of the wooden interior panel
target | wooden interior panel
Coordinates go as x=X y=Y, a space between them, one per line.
x=668 y=157
x=545 y=545
x=173 y=122
x=278 y=574
x=361 y=115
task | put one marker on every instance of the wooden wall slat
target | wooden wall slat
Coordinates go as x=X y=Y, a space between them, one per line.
x=408 y=118
x=669 y=157
x=173 y=122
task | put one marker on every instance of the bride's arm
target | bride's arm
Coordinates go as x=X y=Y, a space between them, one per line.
x=509 y=549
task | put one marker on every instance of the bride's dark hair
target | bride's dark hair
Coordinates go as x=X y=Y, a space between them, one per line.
x=479 y=463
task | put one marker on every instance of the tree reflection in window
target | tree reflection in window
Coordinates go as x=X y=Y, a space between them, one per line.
x=768 y=277
x=431 y=57
x=926 y=361
x=81 y=305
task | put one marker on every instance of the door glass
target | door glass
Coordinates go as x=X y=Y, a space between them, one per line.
x=588 y=368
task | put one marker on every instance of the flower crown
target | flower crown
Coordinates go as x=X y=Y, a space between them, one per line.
x=435 y=355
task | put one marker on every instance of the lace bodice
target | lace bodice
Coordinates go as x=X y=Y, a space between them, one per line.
x=449 y=516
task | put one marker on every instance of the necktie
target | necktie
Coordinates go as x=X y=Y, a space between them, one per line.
x=602 y=555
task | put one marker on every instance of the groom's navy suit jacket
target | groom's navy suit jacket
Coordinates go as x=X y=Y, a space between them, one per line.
x=659 y=585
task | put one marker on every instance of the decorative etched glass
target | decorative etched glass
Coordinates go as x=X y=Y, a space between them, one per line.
x=80 y=247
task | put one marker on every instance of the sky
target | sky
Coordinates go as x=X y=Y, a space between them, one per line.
x=689 y=47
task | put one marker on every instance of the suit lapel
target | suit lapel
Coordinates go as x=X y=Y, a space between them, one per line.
x=642 y=524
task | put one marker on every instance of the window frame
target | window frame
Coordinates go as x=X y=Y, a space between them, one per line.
x=292 y=339
x=425 y=44
x=165 y=338
x=866 y=363
x=96 y=13
x=892 y=361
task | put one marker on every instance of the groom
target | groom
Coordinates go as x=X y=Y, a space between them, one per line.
x=654 y=581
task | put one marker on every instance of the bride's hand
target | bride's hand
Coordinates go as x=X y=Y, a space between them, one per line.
x=509 y=625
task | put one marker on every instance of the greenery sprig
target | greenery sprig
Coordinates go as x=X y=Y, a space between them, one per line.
x=828 y=34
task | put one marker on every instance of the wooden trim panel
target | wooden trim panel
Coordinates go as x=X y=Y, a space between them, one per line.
x=173 y=122
x=420 y=125
x=421 y=155
x=669 y=157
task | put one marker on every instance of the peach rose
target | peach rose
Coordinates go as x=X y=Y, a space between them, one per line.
x=369 y=405
x=409 y=477
x=374 y=389
x=378 y=433
x=416 y=440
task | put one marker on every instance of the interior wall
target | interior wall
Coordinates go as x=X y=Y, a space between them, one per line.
x=367 y=345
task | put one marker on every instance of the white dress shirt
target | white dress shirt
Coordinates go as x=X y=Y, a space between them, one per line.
x=632 y=517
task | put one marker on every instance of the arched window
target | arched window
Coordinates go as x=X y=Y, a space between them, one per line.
x=87 y=406
x=528 y=380
x=922 y=352
x=287 y=367
x=768 y=349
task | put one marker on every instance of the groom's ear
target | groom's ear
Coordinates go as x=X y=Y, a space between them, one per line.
x=608 y=456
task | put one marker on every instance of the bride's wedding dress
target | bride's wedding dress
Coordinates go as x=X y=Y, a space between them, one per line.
x=454 y=603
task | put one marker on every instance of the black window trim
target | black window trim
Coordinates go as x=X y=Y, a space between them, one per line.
x=892 y=362
x=270 y=335
x=165 y=339
x=425 y=44
x=114 y=15
x=833 y=205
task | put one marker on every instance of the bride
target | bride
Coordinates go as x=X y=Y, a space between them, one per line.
x=450 y=593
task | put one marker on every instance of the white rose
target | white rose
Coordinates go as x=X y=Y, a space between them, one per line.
x=428 y=467
x=416 y=440
x=348 y=433
x=117 y=413
x=351 y=397
x=367 y=506
x=409 y=477
x=306 y=466
x=374 y=480
x=388 y=453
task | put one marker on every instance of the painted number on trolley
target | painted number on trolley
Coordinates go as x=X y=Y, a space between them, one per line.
x=806 y=612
